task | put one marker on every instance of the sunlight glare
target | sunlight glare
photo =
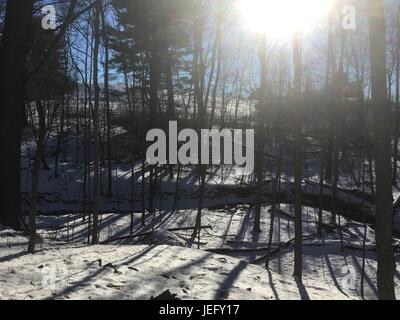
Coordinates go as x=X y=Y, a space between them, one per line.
x=282 y=18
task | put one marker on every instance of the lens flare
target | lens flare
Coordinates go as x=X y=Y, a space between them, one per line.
x=282 y=18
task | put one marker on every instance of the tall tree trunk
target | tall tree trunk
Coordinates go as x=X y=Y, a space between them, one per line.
x=86 y=129
x=384 y=197
x=127 y=89
x=216 y=55
x=365 y=231
x=143 y=193
x=154 y=82
x=260 y=133
x=397 y=105
x=274 y=201
x=202 y=114
x=108 y=107
x=170 y=87
x=14 y=49
x=330 y=69
x=96 y=154
x=298 y=165
x=218 y=48
x=35 y=175
x=60 y=137
x=321 y=191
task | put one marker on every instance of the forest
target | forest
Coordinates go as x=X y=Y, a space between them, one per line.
x=200 y=149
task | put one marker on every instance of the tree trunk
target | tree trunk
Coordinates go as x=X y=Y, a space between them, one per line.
x=96 y=154
x=260 y=134
x=202 y=114
x=397 y=105
x=298 y=166
x=143 y=193
x=108 y=107
x=384 y=223
x=170 y=87
x=35 y=176
x=14 y=49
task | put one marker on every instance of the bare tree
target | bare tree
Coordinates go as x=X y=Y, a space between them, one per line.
x=298 y=161
x=35 y=175
x=260 y=132
x=384 y=223
x=96 y=131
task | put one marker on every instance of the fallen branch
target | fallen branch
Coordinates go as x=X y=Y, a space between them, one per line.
x=145 y=234
x=233 y=250
x=279 y=248
x=329 y=227
x=354 y=210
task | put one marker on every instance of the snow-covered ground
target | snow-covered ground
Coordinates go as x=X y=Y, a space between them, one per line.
x=229 y=263
x=65 y=267
x=140 y=272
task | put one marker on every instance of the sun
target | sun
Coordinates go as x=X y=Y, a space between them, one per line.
x=282 y=18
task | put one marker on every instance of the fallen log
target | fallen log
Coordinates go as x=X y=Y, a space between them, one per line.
x=279 y=248
x=372 y=248
x=285 y=244
x=329 y=227
x=234 y=250
x=354 y=210
x=148 y=233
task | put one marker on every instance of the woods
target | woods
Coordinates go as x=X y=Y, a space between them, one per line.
x=199 y=125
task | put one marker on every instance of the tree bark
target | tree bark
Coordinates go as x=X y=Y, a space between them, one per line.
x=35 y=176
x=397 y=103
x=384 y=223
x=14 y=50
x=108 y=107
x=298 y=166
x=260 y=134
x=96 y=176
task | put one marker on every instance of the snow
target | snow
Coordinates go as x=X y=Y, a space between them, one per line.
x=227 y=265
x=139 y=272
x=163 y=237
x=145 y=267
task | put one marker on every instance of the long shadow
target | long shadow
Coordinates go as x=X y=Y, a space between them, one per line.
x=333 y=276
x=88 y=279
x=255 y=237
x=140 y=254
x=271 y=284
x=366 y=277
x=137 y=224
x=230 y=280
x=278 y=234
x=243 y=227
x=82 y=234
x=186 y=267
x=16 y=244
x=167 y=218
x=13 y=256
x=227 y=227
x=302 y=290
